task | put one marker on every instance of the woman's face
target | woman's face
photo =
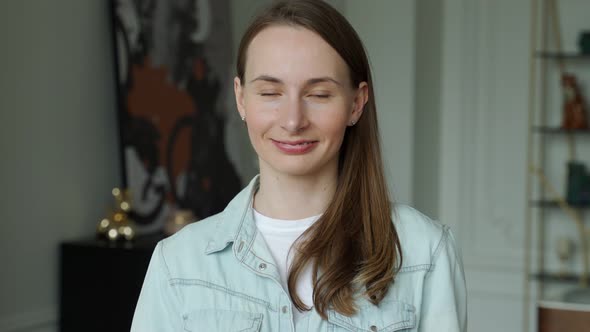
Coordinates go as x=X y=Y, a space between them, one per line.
x=297 y=99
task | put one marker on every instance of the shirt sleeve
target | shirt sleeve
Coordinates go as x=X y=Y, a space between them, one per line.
x=444 y=304
x=158 y=307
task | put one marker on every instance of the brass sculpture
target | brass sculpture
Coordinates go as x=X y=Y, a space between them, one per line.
x=117 y=225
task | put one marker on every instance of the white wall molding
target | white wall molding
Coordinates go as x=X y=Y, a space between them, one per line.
x=483 y=148
x=494 y=282
x=481 y=178
x=451 y=99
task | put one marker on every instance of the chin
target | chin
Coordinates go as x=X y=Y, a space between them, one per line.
x=303 y=165
x=295 y=169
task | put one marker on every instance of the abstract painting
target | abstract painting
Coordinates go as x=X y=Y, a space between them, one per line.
x=173 y=69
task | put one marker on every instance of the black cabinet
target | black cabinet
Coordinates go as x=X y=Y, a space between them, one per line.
x=100 y=282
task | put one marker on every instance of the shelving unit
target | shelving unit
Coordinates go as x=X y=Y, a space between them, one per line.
x=539 y=198
x=557 y=130
x=549 y=279
x=547 y=203
x=564 y=56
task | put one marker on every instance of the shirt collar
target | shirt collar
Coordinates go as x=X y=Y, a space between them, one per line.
x=236 y=220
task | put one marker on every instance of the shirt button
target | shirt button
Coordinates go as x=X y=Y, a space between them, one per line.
x=262 y=267
x=241 y=246
x=373 y=328
x=285 y=309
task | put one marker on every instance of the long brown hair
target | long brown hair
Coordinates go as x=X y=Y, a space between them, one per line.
x=354 y=245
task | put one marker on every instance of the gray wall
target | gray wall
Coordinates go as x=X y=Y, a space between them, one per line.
x=387 y=29
x=58 y=135
x=426 y=147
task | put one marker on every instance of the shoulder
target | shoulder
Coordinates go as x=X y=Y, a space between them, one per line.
x=189 y=245
x=192 y=235
x=421 y=237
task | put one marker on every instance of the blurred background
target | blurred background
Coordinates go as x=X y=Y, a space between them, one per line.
x=466 y=105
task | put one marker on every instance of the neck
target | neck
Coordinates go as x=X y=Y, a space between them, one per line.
x=294 y=197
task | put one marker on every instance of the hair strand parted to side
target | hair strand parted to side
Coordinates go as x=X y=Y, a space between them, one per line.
x=354 y=245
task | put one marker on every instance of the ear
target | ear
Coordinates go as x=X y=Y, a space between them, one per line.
x=239 y=92
x=361 y=96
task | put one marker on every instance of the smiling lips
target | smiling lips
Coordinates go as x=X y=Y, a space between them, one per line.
x=295 y=147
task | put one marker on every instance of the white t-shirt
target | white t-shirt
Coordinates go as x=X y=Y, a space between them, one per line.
x=279 y=236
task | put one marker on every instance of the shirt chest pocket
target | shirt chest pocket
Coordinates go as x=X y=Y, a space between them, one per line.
x=212 y=320
x=387 y=317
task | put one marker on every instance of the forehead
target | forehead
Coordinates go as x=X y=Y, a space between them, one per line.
x=293 y=54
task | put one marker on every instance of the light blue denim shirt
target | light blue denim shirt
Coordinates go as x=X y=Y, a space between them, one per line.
x=218 y=275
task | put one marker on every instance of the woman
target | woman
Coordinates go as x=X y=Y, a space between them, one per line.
x=313 y=243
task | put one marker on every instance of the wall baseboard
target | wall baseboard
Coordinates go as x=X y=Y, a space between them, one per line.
x=42 y=318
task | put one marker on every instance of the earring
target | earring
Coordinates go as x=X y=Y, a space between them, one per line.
x=352 y=123
x=243 y=118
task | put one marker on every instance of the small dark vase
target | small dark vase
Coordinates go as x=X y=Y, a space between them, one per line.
x=584 y=42
x=578 y=184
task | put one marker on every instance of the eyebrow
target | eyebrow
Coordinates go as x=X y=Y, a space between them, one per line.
x=311 y=81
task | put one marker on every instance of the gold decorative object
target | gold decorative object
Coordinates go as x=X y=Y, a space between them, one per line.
x=177 y=220
x=117 y=225
x=564 y=248
x=575 y=216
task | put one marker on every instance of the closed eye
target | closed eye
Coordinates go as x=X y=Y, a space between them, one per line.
x=268 y=94
x=321 y=96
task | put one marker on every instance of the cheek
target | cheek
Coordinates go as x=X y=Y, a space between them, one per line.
x=332 y=120
x=258 y=121
x=256 y=127
x=256 y=132
x=335 y=131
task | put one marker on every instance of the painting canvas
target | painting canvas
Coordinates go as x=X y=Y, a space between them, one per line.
x=173 y=69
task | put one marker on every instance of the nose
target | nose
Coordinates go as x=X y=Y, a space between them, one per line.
x=293 y=116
